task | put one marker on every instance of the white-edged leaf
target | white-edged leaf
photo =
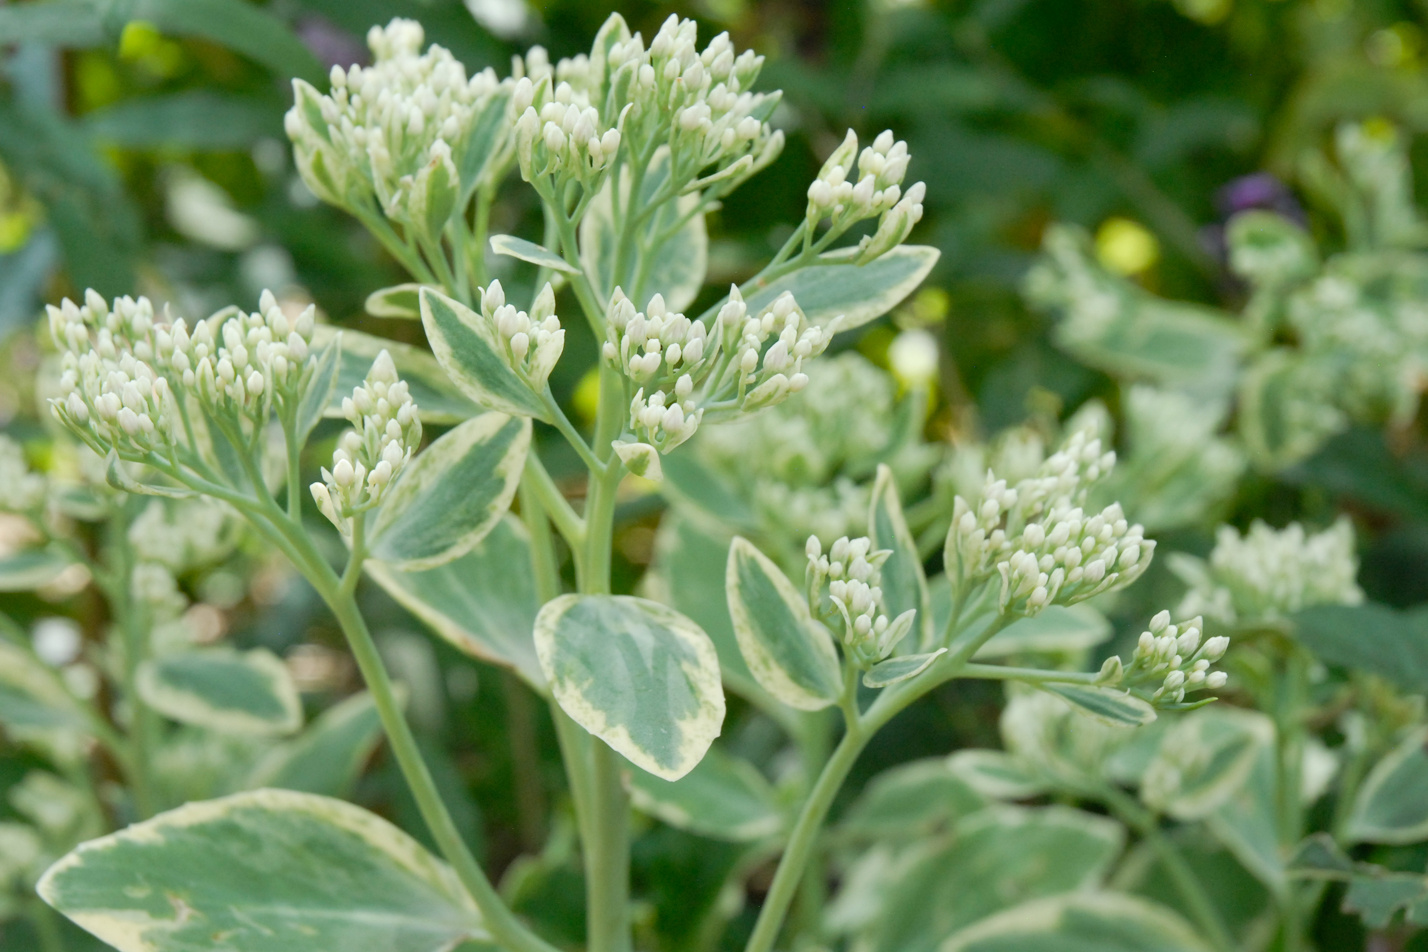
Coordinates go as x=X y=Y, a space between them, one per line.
x=1103 y=922
x=909 y=801
x=1247 y=824
x=317 y=396
x=224 y=690
x=453 y=493
x=789 y=653
x=1108 y=705
x=860 y=293
x=1392 y=805
x=530 y=252
x=399 y=301
x=484 y=602
x=723 y=798
x=327 y=757
x=995 y=774
x=467 y=348
x=638 y=675
x=904 y=583
x=262 y=871
x=1058 y=629
x=32 y=694
x=29 y=569
x=437 y=399
x=1204 y=759
x=900 y=668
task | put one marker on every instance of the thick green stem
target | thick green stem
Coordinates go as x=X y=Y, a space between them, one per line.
x=144 y=725
x=1000 y=672
x=1289 y=771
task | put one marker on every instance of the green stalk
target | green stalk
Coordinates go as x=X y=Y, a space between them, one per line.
x=1289 y=770
x=143 y=730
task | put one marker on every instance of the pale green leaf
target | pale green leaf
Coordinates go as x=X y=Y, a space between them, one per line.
x=317 y=394
x=191 y=120
x=484 y=603
x=259 y=872
x=485 y=144
x=29 y=569
x=239 y=26
x=904 y=583
x=1286 y=408
x=223 y=690
x=32 y=694
x=437 y=400
x=1392 y=804
x=327 y=757
x=400 y=301
x=858 y=292
x=1058 y=629
x=453 y=493
x=723 y=798
x=468 y=350
x=901 y=668
x=1081 y=922
x=995 y=774
x=1247 y=824
x=1368 y=637
x=789 y=653
x=530 y=252
x=910 y=801
x=1108 y=705
x=638 y=675
x=1204 y=759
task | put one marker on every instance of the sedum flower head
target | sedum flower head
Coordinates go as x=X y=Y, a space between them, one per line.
x=369 y=457
x=847 y=579
x=531 y=344
x=182 y=535
x=1267 y=574
x=396 y=131
x=1170 y=660
x=844 y=196
x=1040 y=540
x=21 y=489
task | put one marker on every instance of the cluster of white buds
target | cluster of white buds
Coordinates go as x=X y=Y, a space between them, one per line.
x=764 y=382
x=531 y=344
x=182 y=535
x=849 y=576
x=877 y=191
x=1268 y=574
x=153 y=586
x=396 y=130
x=369 y=457
x=1170 y=658
x=1038 y=538
x=21 y=488
x=560 y=139
x=245 y=360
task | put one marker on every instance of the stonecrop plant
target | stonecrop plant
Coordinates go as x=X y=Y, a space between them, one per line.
x=823 y=565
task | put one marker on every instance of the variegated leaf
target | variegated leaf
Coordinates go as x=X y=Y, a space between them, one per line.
x=437 y=399
x=1105 y=922
x=223 y=690
x=722 y=798
x=467 y=348
x=904 y=582
x=858 y=292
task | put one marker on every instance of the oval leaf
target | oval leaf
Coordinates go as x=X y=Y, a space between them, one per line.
x=1392 y=805
x=904 y=583
x=910 y=801
x=1204 y=760
x=29 y=569
x=327 y=757
x=1105 y=704
x=788 y=653
x=1058 y=629
x=995 y=774
x=529 y=251
x=223 y=690
x=317 y=392
x=860 y=293
x=484 y=603
x=437 y=400
x=453 y=493
x=723 y=798
x=254 y=872
x=399 y=301
x=32 y=694
x=640 y=676
x=466 y=347
x=1106 y=922
x=898 y=669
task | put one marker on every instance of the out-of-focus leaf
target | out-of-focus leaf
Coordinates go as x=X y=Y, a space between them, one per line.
x=437 y=399
x=198 y=119
x=1390 y=806
x=1368 y=637
x=1105 y=922
x=722 y=797
x=326 y=757
x=23 y=274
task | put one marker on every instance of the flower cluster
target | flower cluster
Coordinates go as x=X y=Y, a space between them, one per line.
x=682 y=370
x=385 y=432
x=1036 y=535
x=1171 y=659
x=531 y=344
x=877 y=191
x=560 y=140
x=21 y=488
x=183 y=535
x=1267 y=574
x=849 y=577
x=397 y=130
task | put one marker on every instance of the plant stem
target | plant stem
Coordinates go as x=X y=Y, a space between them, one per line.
x=1289 y=770
x=143 y=728
x=999 y=672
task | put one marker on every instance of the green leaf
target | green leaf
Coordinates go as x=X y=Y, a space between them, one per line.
x=1268 y=249
x=484 y=603
x=67 y=23
x=1084 y=922
x=453 y=493
x=529 y=251
x=260 y=871
x=400 y=300
x=995 y=858
x=995 y=774
x=789 y=653
x=489 y=130
x=116 y=474
x=1391 y=805
x=910 y=801
x=1204 y=759
x=1378 y=898
x=1058 y=629
x=223 y=690
x=1286 y=408
x=1368 y=637
x=239 y=26
x=466 y=347
x=199 y=120
x=29 y=569
x=1105 y=704
x=318 y=393
x=437 y=400
x=32 y=694
x=326 y=758
x=904 y=583
x=723 y=798
x=640 y=676
x=700 y=493
x=901 y=668
x=680 y=259
x=860 y=293
x=1247 y=824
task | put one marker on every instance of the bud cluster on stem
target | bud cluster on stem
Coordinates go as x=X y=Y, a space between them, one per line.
x=1170 y=659
x=845 y=585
